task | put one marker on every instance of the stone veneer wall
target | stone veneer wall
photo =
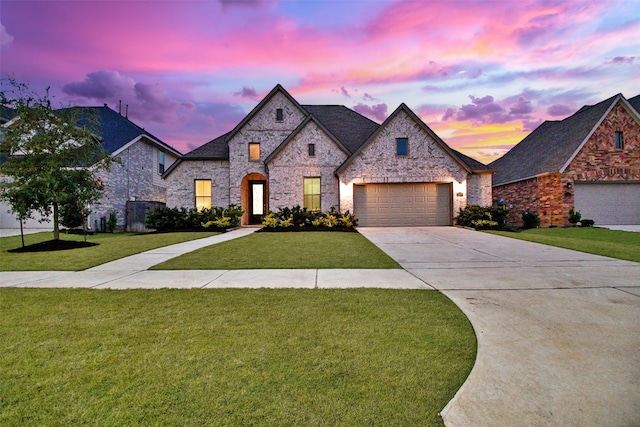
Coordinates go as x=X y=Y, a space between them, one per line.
x=181 y=187
x=598 y=160
x=426 y=162
x=479 y=191
x=293 y=163
x=262 y=128
x=132 y=178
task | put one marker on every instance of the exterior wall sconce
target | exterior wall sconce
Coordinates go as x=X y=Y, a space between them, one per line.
x=569 y=185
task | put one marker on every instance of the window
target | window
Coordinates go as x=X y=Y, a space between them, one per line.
x=402 y=148
x=160 y=162
x=312 y=150
x=619 y=141
x=254 y=151
x=279 y=115
x=203 y=194
x=312 y=194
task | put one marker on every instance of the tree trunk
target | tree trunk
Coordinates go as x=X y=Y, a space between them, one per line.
x=56 y=226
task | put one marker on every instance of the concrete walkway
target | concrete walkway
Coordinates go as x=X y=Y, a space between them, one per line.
x=132 y=273
x=558 y=330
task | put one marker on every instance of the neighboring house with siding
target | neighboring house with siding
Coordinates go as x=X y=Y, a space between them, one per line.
x=589 y=162
x=137 y=176
x=284 y=154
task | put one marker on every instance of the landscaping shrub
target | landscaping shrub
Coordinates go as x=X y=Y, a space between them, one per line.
x=587 y=223
x=301 y=219
x=172 y=219
x=530 y=219
x=574 y=216
x=482 y=217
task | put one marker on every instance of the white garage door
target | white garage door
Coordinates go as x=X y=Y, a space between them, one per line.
x=383 y=205
x=609 y=203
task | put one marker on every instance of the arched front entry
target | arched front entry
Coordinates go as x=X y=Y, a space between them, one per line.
x=255 y=196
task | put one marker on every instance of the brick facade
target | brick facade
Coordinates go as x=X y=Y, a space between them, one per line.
x=181 y=186
x=136 y=177
x=292 y=164
x=426 y=161
x=552 y=196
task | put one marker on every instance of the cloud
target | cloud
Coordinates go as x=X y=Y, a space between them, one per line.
x=560 y=110
x=100 y=85
x=621 y=60
x=521 y=107
x=5 y=38
x=368 y=97
x=377 y=112
x=254 y=4
x=344 y=92
x=486 y=110
x=247 y=92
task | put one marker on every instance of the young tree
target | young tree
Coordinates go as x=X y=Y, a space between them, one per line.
x=50 y=154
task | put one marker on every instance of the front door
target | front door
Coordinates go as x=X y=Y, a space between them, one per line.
x=257 y=201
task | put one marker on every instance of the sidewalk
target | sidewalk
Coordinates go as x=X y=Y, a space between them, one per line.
x=132 y=273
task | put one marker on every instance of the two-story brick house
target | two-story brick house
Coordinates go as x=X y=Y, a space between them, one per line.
x=284 y=154
x=143 y=159
x=589 y=162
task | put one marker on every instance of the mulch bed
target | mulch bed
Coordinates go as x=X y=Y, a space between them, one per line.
x=53 y=245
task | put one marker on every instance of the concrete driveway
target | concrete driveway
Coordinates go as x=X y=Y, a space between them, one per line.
x=558 y=330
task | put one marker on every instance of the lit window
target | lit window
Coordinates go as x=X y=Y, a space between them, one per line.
x=203 y=194
x=254 y=151
x=160 y=162
x=402 y=146
x=279 y=115
x=312 y=194
x=312 y=150
x=619 y=141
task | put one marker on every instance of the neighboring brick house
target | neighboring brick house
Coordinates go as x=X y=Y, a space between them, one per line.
x=138 y=175
x=284 y=154
x=589 y=162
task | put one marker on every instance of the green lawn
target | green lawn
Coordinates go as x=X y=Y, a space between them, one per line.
x=600 y=241
x=312 y=249
x=230 y=357
x=111 y=247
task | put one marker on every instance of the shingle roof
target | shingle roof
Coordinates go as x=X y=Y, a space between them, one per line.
x=349 y=127
x=116 y=131
x=548 y=148
x=635 y=103
x=473 y=164
x=216 y=149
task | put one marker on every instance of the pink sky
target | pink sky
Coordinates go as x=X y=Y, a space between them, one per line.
x=482 y=74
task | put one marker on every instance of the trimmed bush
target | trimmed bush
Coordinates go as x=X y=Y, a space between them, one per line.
x=173 y=219
x=574 y=216
x=482 y=217
x=301 y=219
x=530 y=219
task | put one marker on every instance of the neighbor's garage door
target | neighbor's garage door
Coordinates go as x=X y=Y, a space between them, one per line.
x=379 y=205
x=609 y=203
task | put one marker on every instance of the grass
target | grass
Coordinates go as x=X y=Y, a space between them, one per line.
x=111 y=247
x=312 y=249
x=623 y=245
x=230 y=357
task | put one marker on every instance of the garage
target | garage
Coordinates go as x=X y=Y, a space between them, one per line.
x=406 y=204
x=614 y=203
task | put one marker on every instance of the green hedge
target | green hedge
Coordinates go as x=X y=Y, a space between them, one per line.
x=217 y=218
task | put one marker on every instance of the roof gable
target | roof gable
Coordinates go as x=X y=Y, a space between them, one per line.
x=302 y=125
x=403 y=108
x=552 y=145
x=277 y=89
